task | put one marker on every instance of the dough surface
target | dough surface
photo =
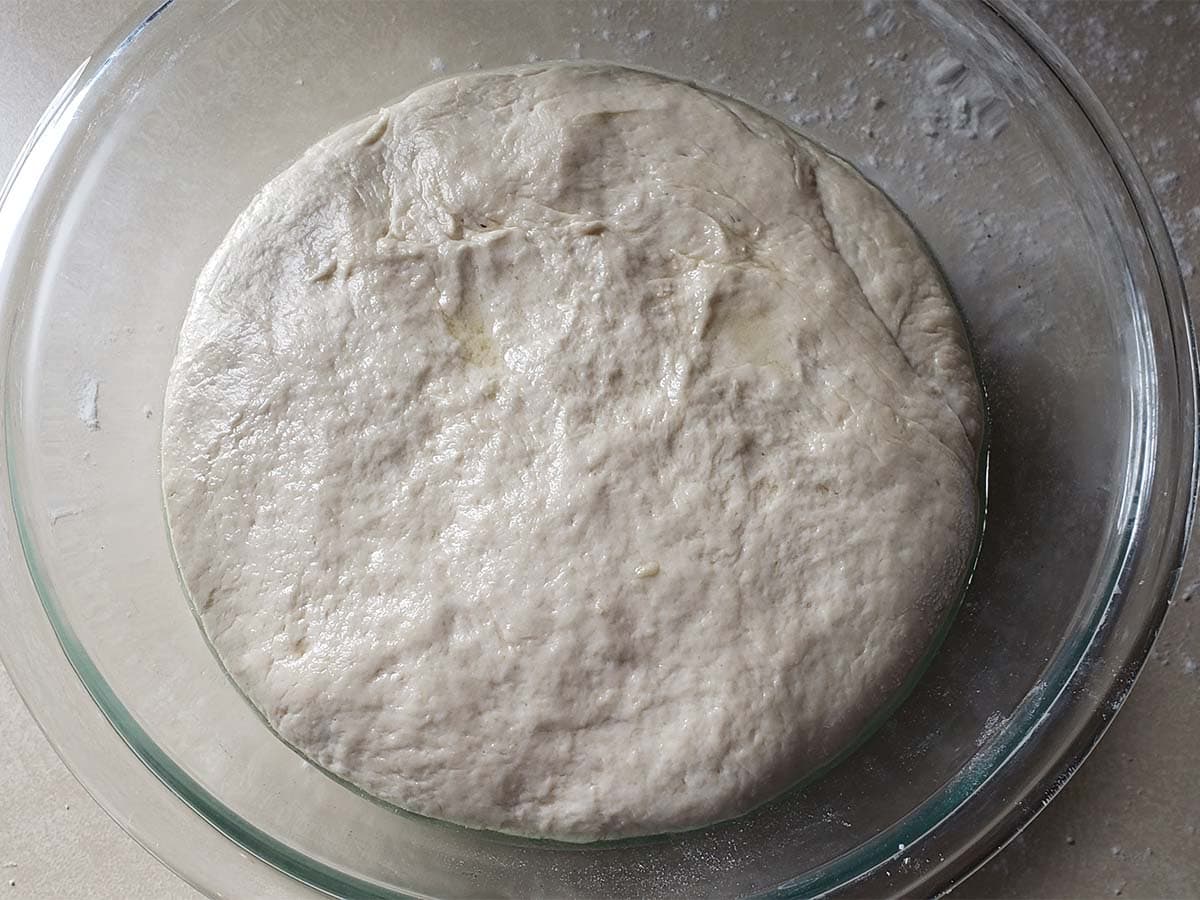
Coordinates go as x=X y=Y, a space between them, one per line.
x=571 y=452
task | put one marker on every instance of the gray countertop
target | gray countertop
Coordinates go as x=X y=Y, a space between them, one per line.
x=1126 y=825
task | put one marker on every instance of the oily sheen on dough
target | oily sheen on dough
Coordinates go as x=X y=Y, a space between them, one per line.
x=571 y=452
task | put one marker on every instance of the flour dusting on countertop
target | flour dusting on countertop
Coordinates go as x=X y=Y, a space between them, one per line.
x=89 y=404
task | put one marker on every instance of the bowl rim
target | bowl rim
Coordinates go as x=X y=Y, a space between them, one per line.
x=873 y=867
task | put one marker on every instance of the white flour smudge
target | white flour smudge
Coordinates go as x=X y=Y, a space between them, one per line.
x=89 y=404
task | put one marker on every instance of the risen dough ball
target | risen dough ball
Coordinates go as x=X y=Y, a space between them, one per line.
x=571 y=452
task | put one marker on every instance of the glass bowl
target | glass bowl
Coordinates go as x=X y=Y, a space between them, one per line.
x=969 y=119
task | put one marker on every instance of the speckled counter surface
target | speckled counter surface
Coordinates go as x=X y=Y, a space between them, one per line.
x=1126 y=825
